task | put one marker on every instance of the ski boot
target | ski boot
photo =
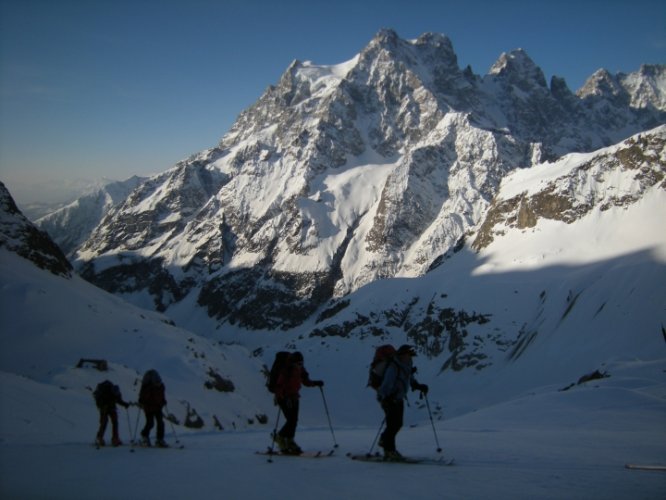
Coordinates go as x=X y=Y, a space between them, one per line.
x=99 y=441
x=161 y=443
x=393 y=456
x=292 y=447
x=281 y=442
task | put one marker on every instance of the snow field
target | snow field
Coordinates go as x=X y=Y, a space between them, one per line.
x=572 y=444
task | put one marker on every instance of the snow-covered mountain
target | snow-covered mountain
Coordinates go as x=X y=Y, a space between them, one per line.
x=71 y=225
x=342 y=175
x=565 y=276
x=55 y=327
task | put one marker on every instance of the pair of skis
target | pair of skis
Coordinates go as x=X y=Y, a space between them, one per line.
x=367 y=457
x=362 y=457
x=133 y=446
x=304 y=454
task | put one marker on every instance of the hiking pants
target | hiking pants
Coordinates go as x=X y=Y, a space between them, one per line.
x=151 y=417
x=289 y=407
x=104 y=416
x=393 y=410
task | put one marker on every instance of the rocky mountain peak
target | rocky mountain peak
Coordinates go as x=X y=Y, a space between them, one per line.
x=385 y=38
x=519 y=69
x=647 y=86
x=560 y=89
x=599 y=84
x=439 y=46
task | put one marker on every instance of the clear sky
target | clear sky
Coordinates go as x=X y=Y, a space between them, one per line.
x=112 y=88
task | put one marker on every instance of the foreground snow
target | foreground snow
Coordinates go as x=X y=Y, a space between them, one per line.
x=548 y=444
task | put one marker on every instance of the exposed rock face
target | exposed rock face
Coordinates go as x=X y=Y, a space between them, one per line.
x=19 y=235
x=642 y=160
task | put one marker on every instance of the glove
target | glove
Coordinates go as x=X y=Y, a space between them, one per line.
x=423 y=388
x=318 y=383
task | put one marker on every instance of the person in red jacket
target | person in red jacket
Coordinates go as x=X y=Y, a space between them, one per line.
x=152 y=400
x=287 y=394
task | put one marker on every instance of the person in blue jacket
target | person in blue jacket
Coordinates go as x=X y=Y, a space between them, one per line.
x=398 y=377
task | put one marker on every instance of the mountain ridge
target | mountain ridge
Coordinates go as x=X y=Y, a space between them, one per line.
x=274 y=215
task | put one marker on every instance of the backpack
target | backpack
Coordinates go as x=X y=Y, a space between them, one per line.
x=151 y=378
x=151 y=394
x=279 y=364
x=106 y=394
x=383 y=356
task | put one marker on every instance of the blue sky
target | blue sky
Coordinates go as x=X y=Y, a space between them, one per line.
x=112 y=88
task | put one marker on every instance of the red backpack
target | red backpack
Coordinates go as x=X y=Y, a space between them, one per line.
x=279 y=365
x=383 y=356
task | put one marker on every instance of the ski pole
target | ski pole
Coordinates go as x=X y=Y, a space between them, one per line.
x=173 y=429
x=132 y=433
x=381 y=426
x=439 y=449
x=136 y=424
x=328 y=416
x=277 y=421
x=129 y=424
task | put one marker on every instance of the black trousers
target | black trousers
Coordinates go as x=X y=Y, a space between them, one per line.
x=151 y=418
x=289 y=407
x=106 y=414
x=393 y=412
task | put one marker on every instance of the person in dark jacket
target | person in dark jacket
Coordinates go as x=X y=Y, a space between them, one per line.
x=287 y=394
x=107 y=395
x=398 y=377
x=152 y=400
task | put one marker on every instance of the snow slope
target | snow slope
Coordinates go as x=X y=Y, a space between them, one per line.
x=49 y=323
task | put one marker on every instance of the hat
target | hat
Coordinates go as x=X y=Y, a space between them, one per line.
x=407 y=349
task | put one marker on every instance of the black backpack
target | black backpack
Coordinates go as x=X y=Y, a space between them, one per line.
x=151 y=378
x=279 y=364
x=106 y=394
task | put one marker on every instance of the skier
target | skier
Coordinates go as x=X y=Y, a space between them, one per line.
x=391 y=394
x=107 y=395
x=287 y=394
x=152 y=400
